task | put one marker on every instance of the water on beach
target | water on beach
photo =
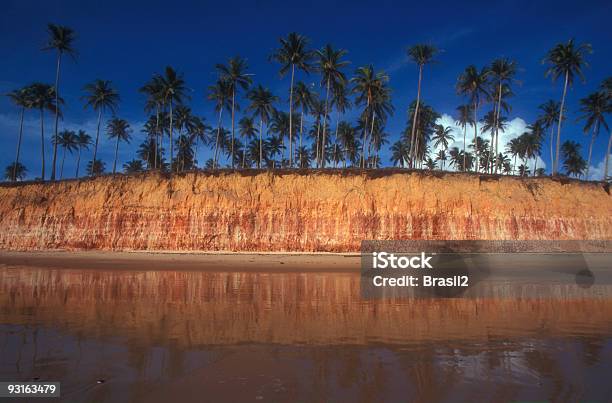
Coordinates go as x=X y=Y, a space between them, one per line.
x=158 y=336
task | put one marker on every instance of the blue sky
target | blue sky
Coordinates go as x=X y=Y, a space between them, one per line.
x=126 y=42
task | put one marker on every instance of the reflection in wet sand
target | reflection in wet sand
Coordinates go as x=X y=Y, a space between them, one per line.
x=156 y=335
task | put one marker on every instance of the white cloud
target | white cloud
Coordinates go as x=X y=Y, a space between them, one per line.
x=597 y=172
x=514 y=129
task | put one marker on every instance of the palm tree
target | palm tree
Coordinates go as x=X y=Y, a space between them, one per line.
x=68 y=141
x=464 y=117
x=426 y=124
x=83 y=140
x=565 y=60
x=118 y=129
x=95 y=167
x=15 y=171
x=606 y=87
x=548 y=119
x=514 y=149
x=304 y=99
x=400 y=154
x=430 y=164
x=594 y=108
x=329 y=64
x=234 y=74
x=173 y=91
x=220 y=93
x=473 y=84
x=502 y=74
x=573 y=162
x=247 y=129
x=100 y=96
x=133 y=166
x=421 y=55
x=293 y=53
x=43 y=97
x=262 y=106
x=341 y=102
x=442 y=136
x=373 y=94
x=155 y=101
x=23 y=100
x=61 y=40
x=493 y=123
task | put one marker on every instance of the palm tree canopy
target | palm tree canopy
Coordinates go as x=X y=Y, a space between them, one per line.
x=550 y=113
x=61 y=38
x=262 y=102
x=83 y=140
x=247 y=127
x=304 y=97
x=43 y=96
x=330 y=65
x=474 y=84
x=422 y=54
x=293 y=51
x=101 y=95
x=120 y=129
x=594 y=108
x=154 y=91
x=567 y=58
x=465 y=115
x=235 y=73
x=21 y=97
x=221 y=94
x=173 y=86
x=68 y=140
x=503 y=70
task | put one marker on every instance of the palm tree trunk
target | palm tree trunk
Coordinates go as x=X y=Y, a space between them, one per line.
x=260 y=142
x=595 y=130
x=497 y=115
x=558 y=149
x=318 y=142
x=116 y=150
x=371 y=133
x=244 y=151
x=42 y=142
x=336 y=137
x=291 y=118
x=535 y=165
x=97 y=138
x=365 y=132
x=78 y=162
x=18 y=144
x=552 y=155
x=301 y=129
x=233 y=105
x=171 y=142
x=414 y=119
x=477 y=166
x=605 y=173
x=57 y=76
x=217 y=141
x=324 y=125
x=62 y=166
x=464 y=156
x=156 y=134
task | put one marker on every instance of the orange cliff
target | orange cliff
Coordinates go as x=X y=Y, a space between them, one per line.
x=292 y=211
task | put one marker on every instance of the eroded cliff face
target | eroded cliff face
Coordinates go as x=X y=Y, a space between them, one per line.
x=329 y=212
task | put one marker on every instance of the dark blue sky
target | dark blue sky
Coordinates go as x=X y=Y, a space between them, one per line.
x=126 y=42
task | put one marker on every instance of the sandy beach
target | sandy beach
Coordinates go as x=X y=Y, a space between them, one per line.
x=282 y=262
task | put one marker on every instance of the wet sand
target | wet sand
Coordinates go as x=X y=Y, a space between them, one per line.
x=213 y=261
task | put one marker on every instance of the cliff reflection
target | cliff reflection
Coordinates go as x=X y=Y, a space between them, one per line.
x=286 y=337
x=195 y=308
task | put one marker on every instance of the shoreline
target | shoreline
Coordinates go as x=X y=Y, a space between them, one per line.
x=185 y=261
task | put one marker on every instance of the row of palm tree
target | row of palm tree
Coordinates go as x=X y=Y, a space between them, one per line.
x=273 y=137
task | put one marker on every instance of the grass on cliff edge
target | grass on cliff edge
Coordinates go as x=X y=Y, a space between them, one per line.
x=369 y=173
